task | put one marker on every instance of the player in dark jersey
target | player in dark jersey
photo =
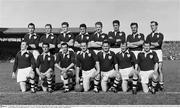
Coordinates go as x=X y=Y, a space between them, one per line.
x=32 y=40
x=49 y=38
x=83 y=36
x=156 y=40
x=65 y=62
x=45 y=68
x=116 y=37
x=148 y=64
x=24 y=65
x=65 y=36
x=97 y=38
x=135 y=40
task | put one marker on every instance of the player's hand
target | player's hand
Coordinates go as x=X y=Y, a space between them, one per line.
x=32 y=45
x=59 y=45
x=13 y=75
x=63 y=70
x=118 y=40
x=42 y=76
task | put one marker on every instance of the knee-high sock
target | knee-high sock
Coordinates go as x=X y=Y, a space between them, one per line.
x=32 y=81
x=116 y=82
x=154 y=83
x=96 y=83
x=135 y=82
x=49 y=81
x=66 y=83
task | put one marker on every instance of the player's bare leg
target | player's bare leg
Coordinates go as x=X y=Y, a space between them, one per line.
x=22 y=86
x=134 y=82
x=104 y=84
x=154 y=78
x=161 y=80
x=86 y=83
x=49 y=82
x=145 y=87
x=66 y=82
x=114 y=87
x=32 y=81
x=124 y=85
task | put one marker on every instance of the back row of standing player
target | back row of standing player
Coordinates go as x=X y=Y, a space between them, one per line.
x=115 y=38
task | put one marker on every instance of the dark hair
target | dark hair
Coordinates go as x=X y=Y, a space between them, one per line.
x=65 y=23
x=116 y=21
x=45 y=44
x=122 y=43
x=64 y=44
x=106 y=41
x=134 y=23
x=82 y=25
x=156 y=23
x=49 y=25
x=99 y=23
x=31 y=24
x=23 y=41
x=84 y=42
x=147 y=42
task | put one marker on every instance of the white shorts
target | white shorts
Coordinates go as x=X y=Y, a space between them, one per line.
x=35 y=53
x=23 y=74
x=115 y=50
x=89 y=74
x=159 y=54
x=110 y=74
x=125 y=73
x=144 y=75
x=136 y=53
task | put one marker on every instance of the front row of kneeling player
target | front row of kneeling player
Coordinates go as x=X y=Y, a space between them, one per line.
x=100 y=68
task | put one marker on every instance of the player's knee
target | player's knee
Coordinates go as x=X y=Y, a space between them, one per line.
x=65 y=76
x=104 y=79
x=32 y=75
x=49 y=76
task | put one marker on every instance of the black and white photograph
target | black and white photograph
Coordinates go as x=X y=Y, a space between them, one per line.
x=89 y=53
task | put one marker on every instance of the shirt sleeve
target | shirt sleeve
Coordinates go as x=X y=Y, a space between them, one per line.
x=58 y=58
x=138 y=59
x=142 y=36
x=155 y=58
x=111 y=40
x=117 y=59
x=15 y=63
x=59 y=39
x=37 y=41
x=41 y=39
x=128 y=38
x=94 y=56
x=52 y=62
x=148 y=38
x=38 y=62
x=133 y=58
x=25 y=38
x=32 y=61
x=78 y=63
x=161 y=37
x=54 y=40
x=72 y=57
x=114 y=59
